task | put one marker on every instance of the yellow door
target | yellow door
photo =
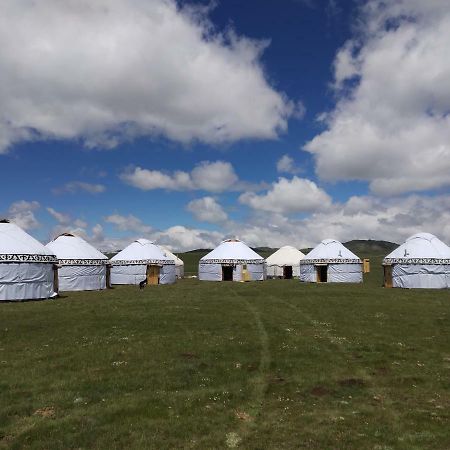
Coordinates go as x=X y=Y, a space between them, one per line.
x=152 y=274
x=245 y=273
x=387 y=276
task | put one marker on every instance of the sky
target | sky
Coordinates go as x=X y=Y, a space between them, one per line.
x=277 y=122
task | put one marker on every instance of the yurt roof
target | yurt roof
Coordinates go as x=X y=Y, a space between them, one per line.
x=141 y=251
x=285 y=256
x=330 y=251
x=167 y=252
x=18 y=246
x=69 y=248
x=232 y=251
x=420 y=248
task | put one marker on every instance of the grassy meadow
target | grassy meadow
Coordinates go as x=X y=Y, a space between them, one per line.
x=270 y=365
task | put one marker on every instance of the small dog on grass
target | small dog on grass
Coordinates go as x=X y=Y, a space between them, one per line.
x=142 y=284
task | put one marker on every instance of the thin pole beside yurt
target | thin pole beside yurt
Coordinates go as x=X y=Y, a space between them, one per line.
x=28 y=270
x=179 y=264
x=232 y=260
x=81 y=266
x=331 y=262
x=422 y=261
x=284 y=263
x=142 y=260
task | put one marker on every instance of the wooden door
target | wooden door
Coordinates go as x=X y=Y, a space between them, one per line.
x=388 y=276
x=152 y=274
x=245 y=273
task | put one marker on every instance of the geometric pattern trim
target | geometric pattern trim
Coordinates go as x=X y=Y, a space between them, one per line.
x=232 y=261
x=416 y=261
x=28 y=258
x=83 y=262
x=142 y=262
x=331 y=261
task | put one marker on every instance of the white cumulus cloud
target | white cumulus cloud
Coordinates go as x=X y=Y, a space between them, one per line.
x=207 y=209
x=288 y=196
x=391 y=123
x=111 y=70
x=22 y=214
x=128 y=223
x=217 y=176
x=286 y=164
x=80 y=186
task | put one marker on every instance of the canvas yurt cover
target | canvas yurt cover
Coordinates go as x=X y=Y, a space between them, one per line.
x=331 y=262
x=179 y=264
x=284 y=263
x=422 y=261
x=27 y=268
x=232 y=260
x=81 y=266
x=142 y=260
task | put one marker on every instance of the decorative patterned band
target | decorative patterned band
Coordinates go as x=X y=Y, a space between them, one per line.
x=83 y=262
x=330 y=261
x=232 y=261
x=142 y=262
x=28 y=258
x=416 y=261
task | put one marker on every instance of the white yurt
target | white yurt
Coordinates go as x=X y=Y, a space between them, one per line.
x=422 y=261
x=27 y=268
x=141 y=260
x=179 y=264
x=81 y=266
x=331 y=262
x=284 y=263
x=232 y=260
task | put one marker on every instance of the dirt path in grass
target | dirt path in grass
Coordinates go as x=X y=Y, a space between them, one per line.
x=260 y=380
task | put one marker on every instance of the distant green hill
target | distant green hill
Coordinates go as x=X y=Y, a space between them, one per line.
x=363 y=248
x=370 y=247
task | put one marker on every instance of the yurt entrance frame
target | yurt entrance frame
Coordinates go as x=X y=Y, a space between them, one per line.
x=287 y=272
x=227 y=272
x=322 y=272
x=388 y=276
x=153 y=273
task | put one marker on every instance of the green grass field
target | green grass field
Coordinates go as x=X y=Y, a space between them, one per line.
x=271 y=365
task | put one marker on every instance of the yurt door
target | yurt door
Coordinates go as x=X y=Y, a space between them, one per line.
x=322 y=273
x=108 y=276
x=287 y=272
x=55 y=279
x=245 y=273
x=227 y=273
x=388 y=276
x=152 y=274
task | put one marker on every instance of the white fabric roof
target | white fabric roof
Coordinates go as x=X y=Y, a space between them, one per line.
x=330 y=249
x=13 y=240
x=421 y=246
x=142 y=249
x=178 y=261
x=73 y=247
x=232 y=249
x=285 y=256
